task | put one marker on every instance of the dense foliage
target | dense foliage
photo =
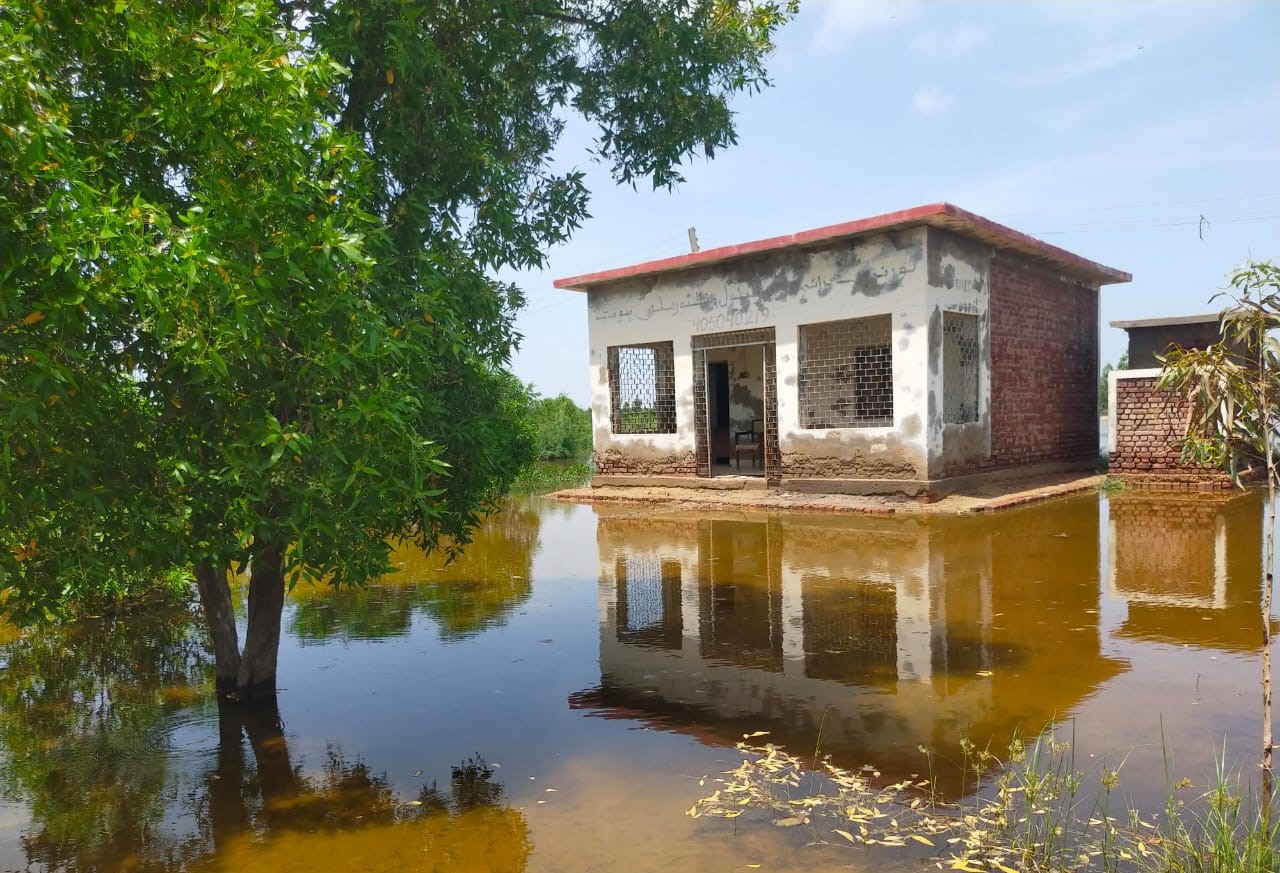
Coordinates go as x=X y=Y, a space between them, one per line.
x=561 y=428
x=247 y=315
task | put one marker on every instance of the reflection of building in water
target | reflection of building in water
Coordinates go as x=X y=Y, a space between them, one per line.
x=876 y=634
x=1187 y=567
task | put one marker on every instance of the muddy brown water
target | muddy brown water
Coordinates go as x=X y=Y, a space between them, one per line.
x=551 y=702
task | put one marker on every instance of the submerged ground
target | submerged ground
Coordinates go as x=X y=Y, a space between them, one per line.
x=552 y=701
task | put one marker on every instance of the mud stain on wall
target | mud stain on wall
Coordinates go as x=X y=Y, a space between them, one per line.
x=850 y=456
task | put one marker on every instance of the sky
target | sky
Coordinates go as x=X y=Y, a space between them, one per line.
x=1143 y=135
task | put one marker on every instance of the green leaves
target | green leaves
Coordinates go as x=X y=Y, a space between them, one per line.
x=1232 y=388
x=247 y=254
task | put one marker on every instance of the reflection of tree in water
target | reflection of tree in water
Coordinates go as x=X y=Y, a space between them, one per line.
x=475 y=592
x=471 y=828
x=79 y=706
x=87 y=712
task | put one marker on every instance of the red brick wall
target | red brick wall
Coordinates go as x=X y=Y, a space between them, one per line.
x=1149 y=427
x=1044 y=369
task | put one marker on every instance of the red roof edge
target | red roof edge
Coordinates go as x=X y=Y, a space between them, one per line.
x=934 y=214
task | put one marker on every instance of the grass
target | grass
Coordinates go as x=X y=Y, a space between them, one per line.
x=1112 y=485
x=1030 y=810
x=541 y=477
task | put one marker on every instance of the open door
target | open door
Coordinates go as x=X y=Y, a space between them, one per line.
x=735 y=399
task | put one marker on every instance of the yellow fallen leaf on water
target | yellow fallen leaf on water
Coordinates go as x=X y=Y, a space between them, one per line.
x=920 y=839
x=1005 y=869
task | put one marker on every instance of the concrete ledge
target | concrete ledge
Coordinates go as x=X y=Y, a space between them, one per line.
x=857 y=487
x=715 y=483
x=987 y=478
x=682 y=498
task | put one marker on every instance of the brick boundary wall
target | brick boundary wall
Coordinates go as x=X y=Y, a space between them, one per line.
x=1148 y=427
x=1044 y=379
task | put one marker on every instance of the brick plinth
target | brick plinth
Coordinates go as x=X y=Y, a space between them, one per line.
x=856 y=465
x=614 y=462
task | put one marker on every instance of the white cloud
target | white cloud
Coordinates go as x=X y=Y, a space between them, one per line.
x=843 y=21
x=931 y=100
x=952 y=43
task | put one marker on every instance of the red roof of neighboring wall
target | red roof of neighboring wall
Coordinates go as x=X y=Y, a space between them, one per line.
x=942 y=215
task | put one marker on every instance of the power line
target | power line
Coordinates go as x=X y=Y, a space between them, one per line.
x=1154 y=224
x=1274 y=195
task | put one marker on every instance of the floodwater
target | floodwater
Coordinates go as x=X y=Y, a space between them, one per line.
x=551 y=701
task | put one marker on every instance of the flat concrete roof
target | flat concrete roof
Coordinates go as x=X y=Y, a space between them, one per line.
x=942 y=215
x=1204 y=318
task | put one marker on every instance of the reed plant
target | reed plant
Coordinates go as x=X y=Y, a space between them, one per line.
x=1030 y=809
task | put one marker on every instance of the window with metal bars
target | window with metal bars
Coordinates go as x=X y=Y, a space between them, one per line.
x=642 y=388
x=960 y=359
x=846 y=373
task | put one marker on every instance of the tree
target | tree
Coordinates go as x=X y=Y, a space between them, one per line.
x=246 y=252
x=562 y=428
x=1233 y=393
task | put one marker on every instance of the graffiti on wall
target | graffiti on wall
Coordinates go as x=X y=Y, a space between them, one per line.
x=741 y=304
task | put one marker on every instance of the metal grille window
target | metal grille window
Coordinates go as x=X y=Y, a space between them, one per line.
x=846 y=373
x=642 y=388
x=959 y=367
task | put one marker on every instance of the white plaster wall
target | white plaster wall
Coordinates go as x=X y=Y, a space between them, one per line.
x=959 y=275
x=880 y=274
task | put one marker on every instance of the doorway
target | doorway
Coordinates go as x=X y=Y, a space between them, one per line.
x=735 y=399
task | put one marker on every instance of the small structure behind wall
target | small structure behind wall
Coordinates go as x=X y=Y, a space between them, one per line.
x=1146 y=425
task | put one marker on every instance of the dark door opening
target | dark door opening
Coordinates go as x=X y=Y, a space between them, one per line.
x=718 y=404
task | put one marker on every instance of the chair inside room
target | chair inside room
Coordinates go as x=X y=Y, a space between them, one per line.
x=749 y=443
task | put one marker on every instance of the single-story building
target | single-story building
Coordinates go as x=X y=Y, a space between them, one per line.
x=899 y=353
x=1146 y=424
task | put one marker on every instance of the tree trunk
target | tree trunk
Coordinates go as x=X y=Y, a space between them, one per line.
x=257 y=677
x=215 y=597
x=1269 y=549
